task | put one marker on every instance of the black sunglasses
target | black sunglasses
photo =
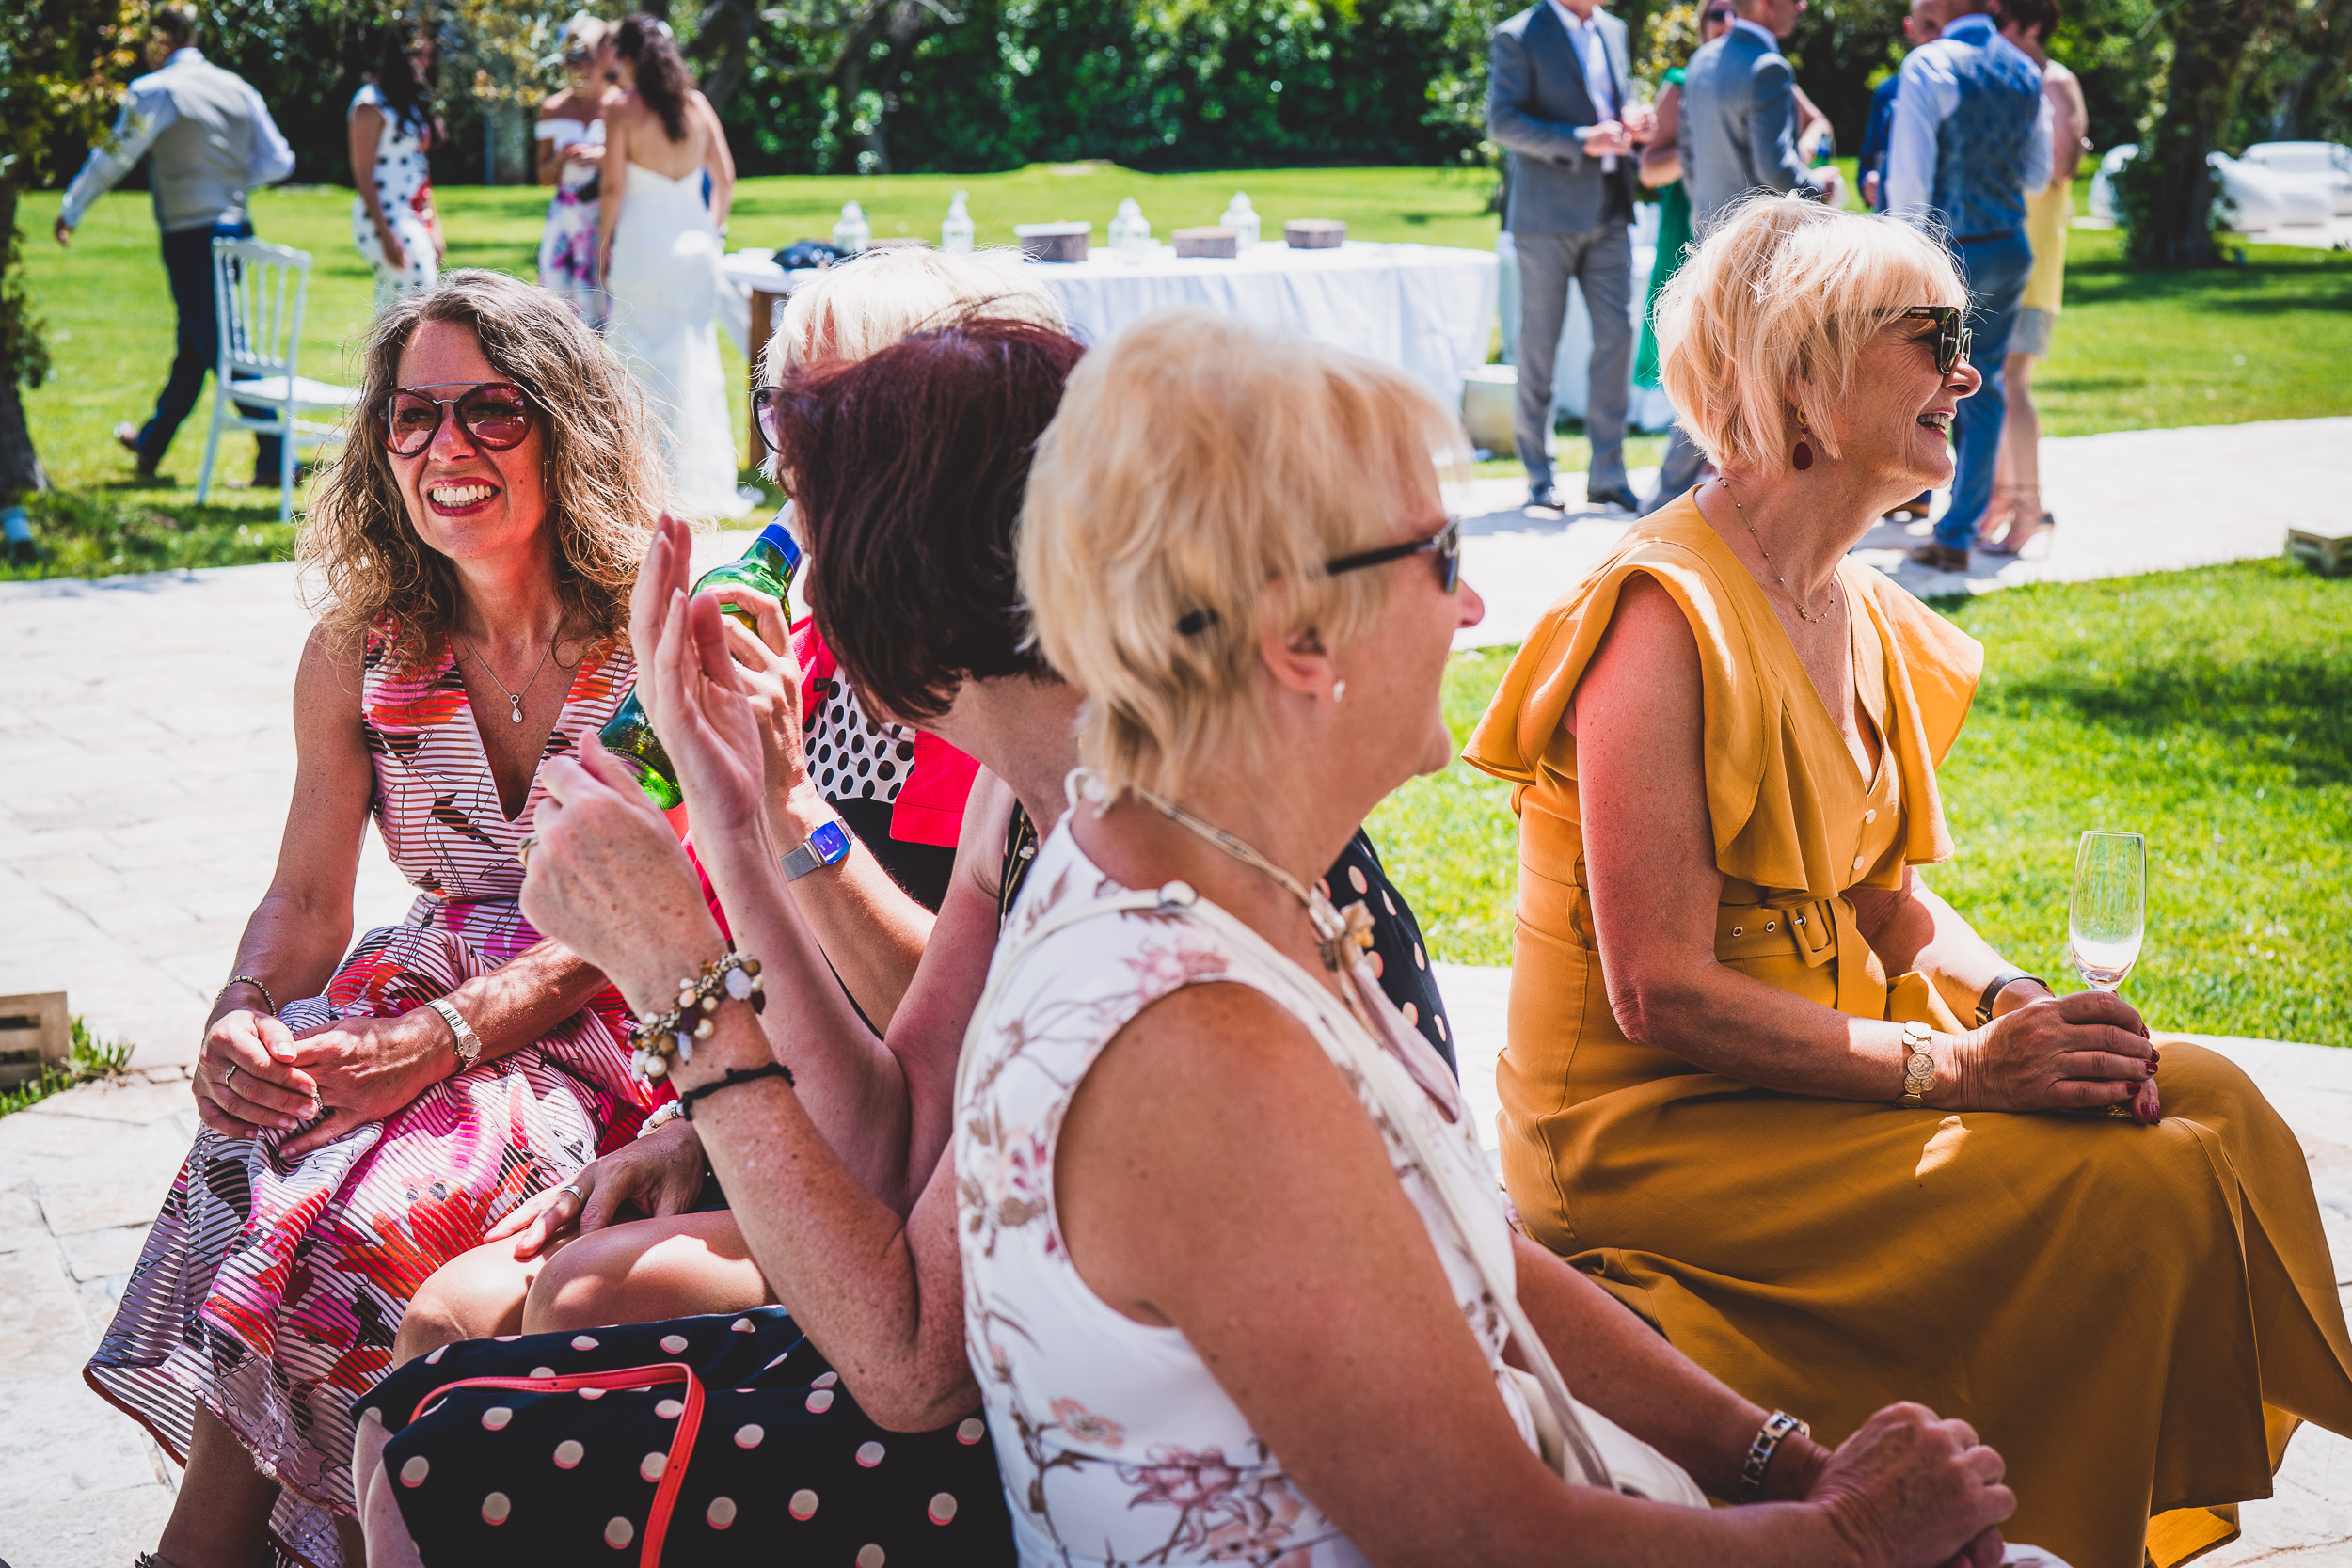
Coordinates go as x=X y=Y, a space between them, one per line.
x=1952 y=339
x=495 y=413
x=1446 y=545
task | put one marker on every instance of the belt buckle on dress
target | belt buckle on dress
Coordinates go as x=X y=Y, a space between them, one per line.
x=1809 y=930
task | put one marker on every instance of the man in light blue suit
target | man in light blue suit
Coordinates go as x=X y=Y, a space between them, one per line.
x=1739 y=134
x=1559 y=99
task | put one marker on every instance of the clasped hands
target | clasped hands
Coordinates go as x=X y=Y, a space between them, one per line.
x=255 y=1075
x=2054 y=1054
x=1617 y=137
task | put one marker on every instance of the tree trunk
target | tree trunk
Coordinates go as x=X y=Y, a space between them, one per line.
x=19 y=466
x=722 y=42
x=2214 y=44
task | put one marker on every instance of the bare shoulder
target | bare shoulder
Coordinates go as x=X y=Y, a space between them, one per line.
x=329 y=675
x=1214 y=1069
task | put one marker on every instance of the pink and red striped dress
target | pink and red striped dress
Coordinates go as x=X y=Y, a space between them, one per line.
x=271 y=1292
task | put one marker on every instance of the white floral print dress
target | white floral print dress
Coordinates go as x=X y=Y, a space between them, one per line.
x=1118 y=1444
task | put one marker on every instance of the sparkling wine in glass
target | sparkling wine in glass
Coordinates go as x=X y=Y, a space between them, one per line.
x=2107 y=914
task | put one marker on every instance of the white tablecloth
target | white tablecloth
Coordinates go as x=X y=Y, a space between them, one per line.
x=1427 y=310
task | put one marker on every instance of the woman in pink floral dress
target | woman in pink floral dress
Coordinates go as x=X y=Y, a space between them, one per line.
x=368 y=1115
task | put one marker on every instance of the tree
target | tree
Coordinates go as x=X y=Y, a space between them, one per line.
x=2168 y=191
x=837 y=44
x=62 y=63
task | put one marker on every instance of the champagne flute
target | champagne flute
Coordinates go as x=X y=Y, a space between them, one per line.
x=2108 y=916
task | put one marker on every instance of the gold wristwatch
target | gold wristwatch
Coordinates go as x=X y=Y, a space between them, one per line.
x=1918 y=1064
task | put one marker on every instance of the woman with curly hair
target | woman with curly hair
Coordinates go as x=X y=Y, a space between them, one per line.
x=370 y=1114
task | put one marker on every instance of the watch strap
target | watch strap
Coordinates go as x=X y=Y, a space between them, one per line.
x=469 y=1043
x=808 y=857
x=2001 y=982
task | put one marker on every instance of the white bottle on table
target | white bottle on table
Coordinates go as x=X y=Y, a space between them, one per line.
x=1242 y=219
x=1130 y=231
x=955 y=235
x=853 y=233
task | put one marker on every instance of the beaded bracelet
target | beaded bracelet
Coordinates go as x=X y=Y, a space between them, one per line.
x=661 y=1037
x=247 y=980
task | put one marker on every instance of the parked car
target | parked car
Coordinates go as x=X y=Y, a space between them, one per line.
x=2260 y=196
x=2324 y=163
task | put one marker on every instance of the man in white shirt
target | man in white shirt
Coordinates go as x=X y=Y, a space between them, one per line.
x=1969 y=142
x=1559 y=96
x=210 y=140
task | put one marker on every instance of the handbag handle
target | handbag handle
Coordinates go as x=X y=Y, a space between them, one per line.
x=649 y=1376
x=1386 y=1077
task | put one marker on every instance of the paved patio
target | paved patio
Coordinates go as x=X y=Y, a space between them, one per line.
x=143 y=783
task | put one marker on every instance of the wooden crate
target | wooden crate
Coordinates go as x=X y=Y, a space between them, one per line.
x=34 y=1035
x=2325 y=547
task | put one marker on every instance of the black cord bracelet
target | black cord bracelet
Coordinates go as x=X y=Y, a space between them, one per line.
x=741 y=1075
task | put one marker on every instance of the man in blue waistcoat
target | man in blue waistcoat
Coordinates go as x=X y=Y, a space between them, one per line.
x=1970 y=140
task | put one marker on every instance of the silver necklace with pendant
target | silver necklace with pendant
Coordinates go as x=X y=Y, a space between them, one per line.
x=514 y=698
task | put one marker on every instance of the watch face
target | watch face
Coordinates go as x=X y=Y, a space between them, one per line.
x=831 y=841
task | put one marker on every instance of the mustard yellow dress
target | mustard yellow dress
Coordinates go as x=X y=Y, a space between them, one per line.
x=2136 y=1316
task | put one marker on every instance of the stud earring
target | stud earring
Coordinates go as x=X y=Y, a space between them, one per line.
x=1338 y=689
x=1802 y=456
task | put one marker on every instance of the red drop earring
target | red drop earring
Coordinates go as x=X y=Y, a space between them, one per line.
x=1802 y=456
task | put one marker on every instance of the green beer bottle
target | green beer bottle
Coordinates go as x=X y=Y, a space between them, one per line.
x=768 y=567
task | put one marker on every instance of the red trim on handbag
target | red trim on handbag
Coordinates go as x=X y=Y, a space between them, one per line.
x=649 y=1376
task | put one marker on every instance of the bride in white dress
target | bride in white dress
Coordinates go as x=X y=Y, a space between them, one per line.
x=659 y=240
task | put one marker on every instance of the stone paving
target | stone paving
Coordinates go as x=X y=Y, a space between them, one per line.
x=146 y=758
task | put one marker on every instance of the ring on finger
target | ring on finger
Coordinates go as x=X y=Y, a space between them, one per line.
x=523 y=849
x=572 y=1192
x=231 y=1073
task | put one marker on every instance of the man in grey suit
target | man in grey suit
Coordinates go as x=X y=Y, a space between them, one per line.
x=1739 y=134
x=1559 y=98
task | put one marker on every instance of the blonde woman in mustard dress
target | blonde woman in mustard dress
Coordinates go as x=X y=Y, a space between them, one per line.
x=1725 y=745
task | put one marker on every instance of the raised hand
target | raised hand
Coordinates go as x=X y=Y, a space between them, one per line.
x=770 y=674
x=1911 y=1491
x=2072 y=1053
x=608 y=880
x=715 y=739
x=667 y=569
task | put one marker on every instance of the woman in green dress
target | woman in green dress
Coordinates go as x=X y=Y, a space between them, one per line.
x=1662 y=171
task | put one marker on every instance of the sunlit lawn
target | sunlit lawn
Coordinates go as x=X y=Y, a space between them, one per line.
x=2211 y=710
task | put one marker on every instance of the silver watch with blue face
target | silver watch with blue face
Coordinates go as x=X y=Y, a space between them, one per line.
x=828 y=845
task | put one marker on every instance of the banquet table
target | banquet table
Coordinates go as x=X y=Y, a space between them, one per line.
x=1429 y=310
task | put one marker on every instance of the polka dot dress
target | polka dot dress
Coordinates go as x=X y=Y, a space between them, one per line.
x=403 y=187
x=783 y=1467
x=1399 y=957
x=850 y=755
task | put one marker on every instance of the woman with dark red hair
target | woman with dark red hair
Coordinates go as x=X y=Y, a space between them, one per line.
x=846 y=1422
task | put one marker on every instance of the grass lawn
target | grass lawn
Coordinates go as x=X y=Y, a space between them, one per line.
x=2263 y=340
x=2211 y=710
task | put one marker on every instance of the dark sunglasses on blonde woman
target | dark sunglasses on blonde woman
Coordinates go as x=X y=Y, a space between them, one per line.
x=1951 y=340
x=495 y=413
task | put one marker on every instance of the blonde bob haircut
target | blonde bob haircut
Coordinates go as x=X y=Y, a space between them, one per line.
x=864 y=306
x=1766 y=318
x=605 y=480
x=1196 y=465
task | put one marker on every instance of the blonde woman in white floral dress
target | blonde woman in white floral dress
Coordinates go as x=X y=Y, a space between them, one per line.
x=1214 y=1304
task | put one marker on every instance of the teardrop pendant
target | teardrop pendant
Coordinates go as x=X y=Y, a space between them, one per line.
x=516 y=714
x=1804 y=457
